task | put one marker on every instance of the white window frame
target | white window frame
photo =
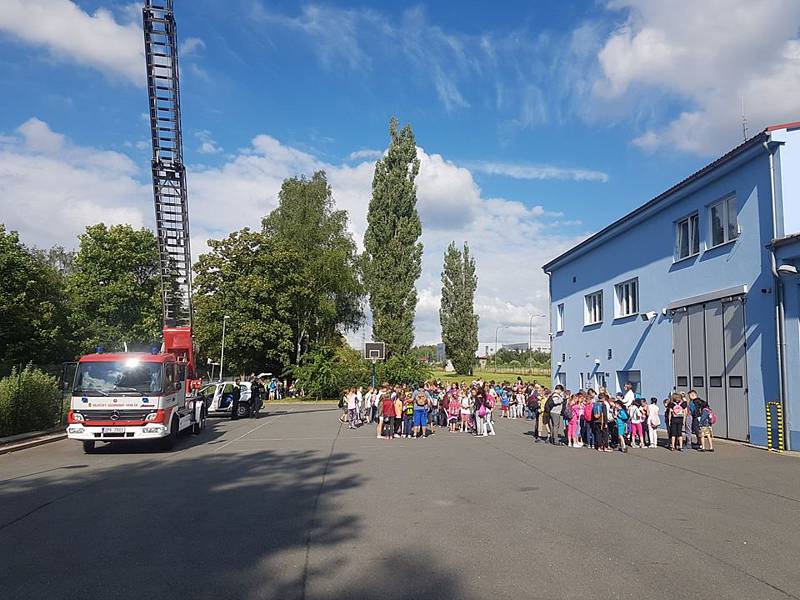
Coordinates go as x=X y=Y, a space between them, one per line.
x=626 y=296
x=693 y=228
x=560 y=318
x=728 y=205
x=593 y=308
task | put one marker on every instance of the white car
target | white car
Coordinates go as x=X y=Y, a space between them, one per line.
x=219 y=398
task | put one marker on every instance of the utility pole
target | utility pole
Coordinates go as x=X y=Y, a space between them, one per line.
x=496 y=331
x=222 y=354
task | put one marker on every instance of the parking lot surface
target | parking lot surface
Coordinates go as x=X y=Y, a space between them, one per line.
x=294 y=506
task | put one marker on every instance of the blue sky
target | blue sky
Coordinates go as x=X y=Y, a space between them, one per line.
x=538 y=123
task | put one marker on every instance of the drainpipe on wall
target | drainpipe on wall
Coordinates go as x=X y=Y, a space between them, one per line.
x=780 y=334
x=550 y=322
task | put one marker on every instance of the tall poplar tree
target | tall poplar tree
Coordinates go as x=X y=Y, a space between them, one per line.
x=393 y=252
x=457 y=313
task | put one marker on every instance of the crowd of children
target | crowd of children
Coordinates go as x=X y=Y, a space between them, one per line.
x=586 y=419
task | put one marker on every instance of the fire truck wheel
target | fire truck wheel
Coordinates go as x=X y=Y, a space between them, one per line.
x=168 y=443
x=88 y=446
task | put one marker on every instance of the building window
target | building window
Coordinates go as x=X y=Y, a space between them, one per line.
x=560 y=317
x=594 y=308
x=687 y=242
x=627 y=294
x=722 y=221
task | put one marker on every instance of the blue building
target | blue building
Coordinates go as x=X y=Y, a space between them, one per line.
x=698 y=288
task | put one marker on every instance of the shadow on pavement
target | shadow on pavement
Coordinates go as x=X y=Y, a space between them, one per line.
x=228 y=525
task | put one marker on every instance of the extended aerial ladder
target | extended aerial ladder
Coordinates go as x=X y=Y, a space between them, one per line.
x=169 y=179
x=136 y=396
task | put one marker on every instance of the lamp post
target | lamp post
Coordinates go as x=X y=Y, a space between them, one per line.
x=222 y=354
x=496 y=331
x=530 y=341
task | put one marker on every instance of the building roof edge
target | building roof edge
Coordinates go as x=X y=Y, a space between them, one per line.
x=738 y=150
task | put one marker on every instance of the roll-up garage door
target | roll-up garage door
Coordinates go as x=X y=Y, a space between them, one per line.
x=715 y=366
x=680 y=349
x=736 y=370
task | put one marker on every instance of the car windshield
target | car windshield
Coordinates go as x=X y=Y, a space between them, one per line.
x=128 y=377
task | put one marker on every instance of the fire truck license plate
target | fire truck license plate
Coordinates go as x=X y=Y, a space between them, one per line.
x=113 y=430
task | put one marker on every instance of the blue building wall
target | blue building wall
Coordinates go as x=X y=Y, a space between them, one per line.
x=643 y=247
x=791 y=254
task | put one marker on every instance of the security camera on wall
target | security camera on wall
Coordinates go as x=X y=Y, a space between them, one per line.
x=786 y=269
x=648 y=316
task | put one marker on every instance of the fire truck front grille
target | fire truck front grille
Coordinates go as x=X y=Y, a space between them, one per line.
x=116 y=415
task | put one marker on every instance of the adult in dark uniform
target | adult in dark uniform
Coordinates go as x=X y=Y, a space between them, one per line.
x=237 y=395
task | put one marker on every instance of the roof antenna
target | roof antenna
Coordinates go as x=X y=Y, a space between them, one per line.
x=744 y=122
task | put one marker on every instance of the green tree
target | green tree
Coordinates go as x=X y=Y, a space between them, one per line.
x=114 y=288
x=307 y=223
x=326 y=370
x=252 y=280
x=393 y=252
x=33 y=307
x=457 y=313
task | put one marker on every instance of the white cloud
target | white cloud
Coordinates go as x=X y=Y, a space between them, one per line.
x=69 y=33
x=365 y=154
x=190 y=46
x=348 y=38
x=50 y=189
x=707 y=55
x=207 y=143
x=532 y=171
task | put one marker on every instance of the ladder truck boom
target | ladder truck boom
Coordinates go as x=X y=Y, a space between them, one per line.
x=169 y=179
x=136 y=396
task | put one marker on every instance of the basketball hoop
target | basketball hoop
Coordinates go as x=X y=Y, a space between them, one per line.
x=374 y=351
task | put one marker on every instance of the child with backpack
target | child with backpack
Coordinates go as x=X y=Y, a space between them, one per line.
x=600 y=422
x=637 y=418
x=408 y=416
x=707 y=419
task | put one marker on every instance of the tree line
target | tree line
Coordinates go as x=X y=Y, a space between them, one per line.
x=291 y=289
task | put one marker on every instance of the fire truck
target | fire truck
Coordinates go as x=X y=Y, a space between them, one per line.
x=137 y=396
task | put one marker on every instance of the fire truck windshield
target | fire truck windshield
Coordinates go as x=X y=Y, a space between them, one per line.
x=118 y=378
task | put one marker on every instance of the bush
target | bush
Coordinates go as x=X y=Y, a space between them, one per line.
x=325 y=371
x=29 y=401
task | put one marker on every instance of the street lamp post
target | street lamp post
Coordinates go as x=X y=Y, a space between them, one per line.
x=496 y=331
x=530 y=341
x=222 y=354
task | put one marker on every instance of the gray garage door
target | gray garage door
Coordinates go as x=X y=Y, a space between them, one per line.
x=708 y=346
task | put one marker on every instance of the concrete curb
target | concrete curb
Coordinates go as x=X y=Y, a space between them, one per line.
x=32 y=442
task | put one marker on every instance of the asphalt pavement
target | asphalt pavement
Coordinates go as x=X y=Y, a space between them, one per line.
x=294 y=506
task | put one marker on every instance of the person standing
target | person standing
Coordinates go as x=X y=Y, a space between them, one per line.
x=706 y=421
x=255 y=395
x=556 y=420
x=677 y=408
x=600 y=422
x=236 y=394
x=621 y=416
x=653 y=422
x=637 y=417
x=388 y=410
